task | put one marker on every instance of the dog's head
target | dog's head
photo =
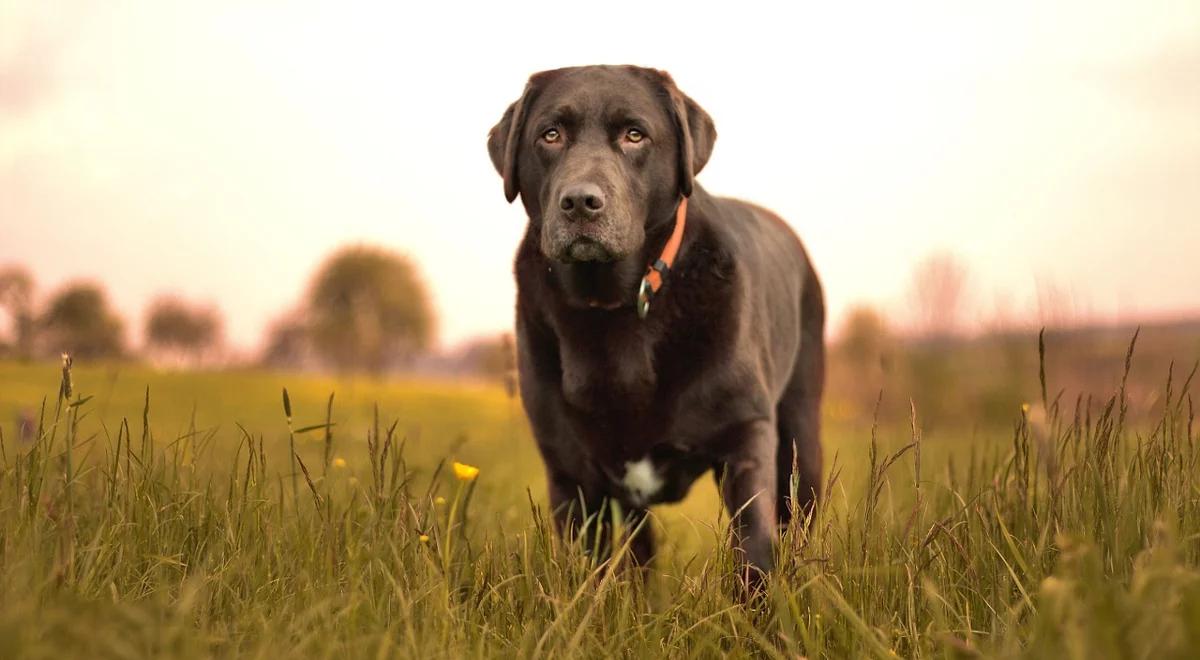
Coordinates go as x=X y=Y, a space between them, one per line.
x=600 y=154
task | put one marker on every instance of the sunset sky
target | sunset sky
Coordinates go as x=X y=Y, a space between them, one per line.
x=220 y=149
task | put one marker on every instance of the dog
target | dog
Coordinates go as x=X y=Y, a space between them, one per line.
x=661 y=331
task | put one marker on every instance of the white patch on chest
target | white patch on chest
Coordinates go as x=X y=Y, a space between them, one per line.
x=641 y=480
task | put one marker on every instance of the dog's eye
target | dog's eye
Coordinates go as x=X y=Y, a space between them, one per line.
x=634 y=135
x=552 y=135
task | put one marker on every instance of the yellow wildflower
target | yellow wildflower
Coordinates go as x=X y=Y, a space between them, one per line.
x=439 y=500
x=424 y=538
x=339 y=462
x=1025 y=408
x=465 y=472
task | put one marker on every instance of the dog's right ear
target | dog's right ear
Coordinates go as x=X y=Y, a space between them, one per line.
x=505 y=138
x=694 y=130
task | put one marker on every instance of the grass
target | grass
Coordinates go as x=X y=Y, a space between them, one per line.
x=178 y=524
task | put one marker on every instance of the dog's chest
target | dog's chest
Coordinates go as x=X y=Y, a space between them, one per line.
x=663 y=474
x=642 y=480
x=623 y=413
x=606 y=378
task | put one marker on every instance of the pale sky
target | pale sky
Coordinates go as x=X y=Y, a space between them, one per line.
x=220 y=149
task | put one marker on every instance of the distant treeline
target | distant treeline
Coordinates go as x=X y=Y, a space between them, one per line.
x=368 y=310
x=876 y=373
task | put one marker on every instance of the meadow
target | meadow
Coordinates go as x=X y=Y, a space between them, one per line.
x=195 y=514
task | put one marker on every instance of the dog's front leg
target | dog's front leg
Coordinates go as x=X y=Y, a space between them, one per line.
x=575 y=511
x=748 y=489
x=583 y=515
x=641 y=548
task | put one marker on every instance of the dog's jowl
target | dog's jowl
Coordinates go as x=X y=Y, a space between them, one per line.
x=662 y=331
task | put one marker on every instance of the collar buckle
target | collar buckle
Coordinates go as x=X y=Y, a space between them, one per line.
x=645 y=293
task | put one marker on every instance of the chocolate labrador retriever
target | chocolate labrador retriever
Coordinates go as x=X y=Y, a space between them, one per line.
x=661 y=331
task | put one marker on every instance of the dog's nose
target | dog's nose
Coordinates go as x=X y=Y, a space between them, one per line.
x=582 y=200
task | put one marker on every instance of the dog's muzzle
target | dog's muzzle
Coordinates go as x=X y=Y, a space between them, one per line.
x=585 y=249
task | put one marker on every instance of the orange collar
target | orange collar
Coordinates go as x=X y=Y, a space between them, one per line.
x=657 y=271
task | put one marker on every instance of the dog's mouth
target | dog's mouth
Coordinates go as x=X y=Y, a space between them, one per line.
x=585 y=250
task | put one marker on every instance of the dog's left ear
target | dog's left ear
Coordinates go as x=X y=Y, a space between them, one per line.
x=505 y=138
x=695 y=132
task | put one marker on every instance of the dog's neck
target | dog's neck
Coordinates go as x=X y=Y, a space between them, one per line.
x=610 y=285
x=607 y=286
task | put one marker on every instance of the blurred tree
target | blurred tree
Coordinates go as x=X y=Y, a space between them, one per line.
x=938 y=303
x=938 y=295
x=16 y=299
x=288 y=344
x=865 y=350
x=1057 y=306
x=78 y=321
x=865 y=338
x=493 y=358
x=368 y=309
x=180 y=330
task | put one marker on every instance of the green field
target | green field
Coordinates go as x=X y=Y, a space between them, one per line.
x=1067 y=534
